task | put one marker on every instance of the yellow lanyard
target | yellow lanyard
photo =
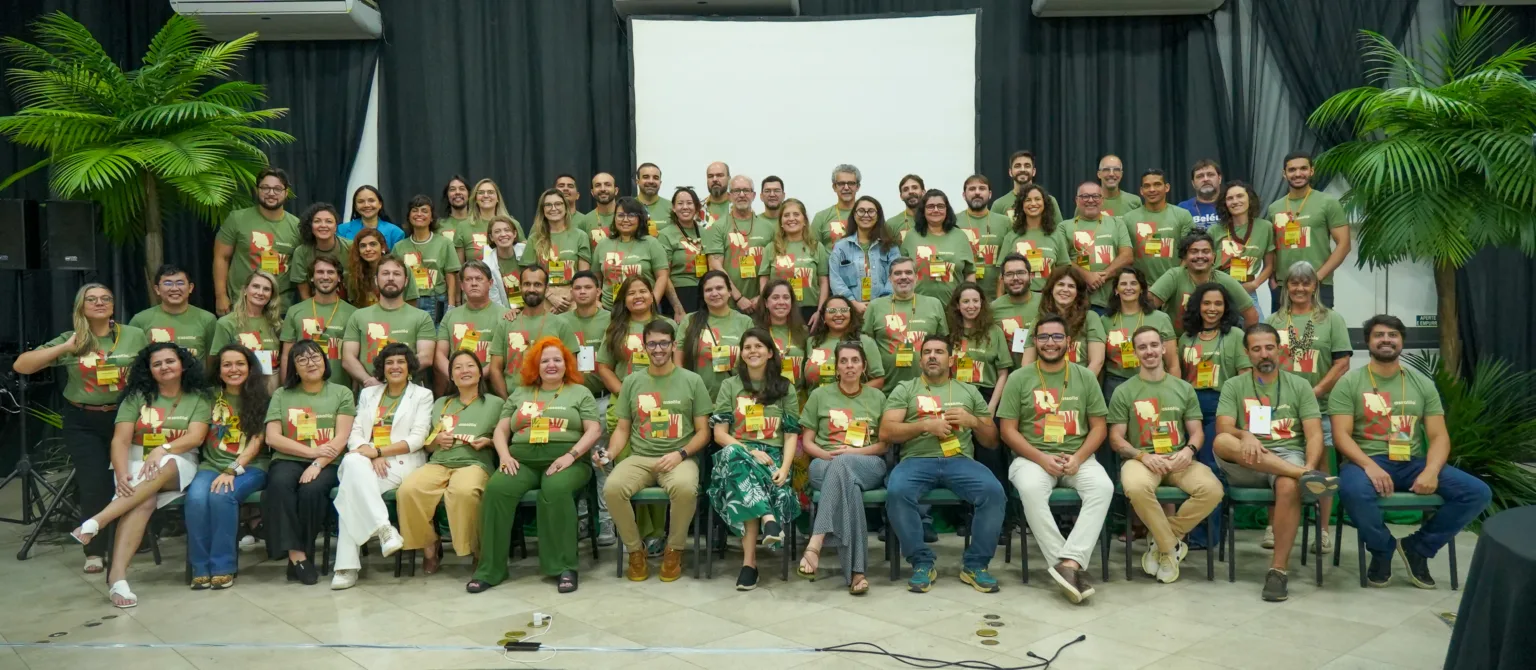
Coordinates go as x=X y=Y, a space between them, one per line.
x=1403 y=390
x=1120 y=320
x=391 y=413
x=1066 y=379
x=1299 y=209
x=329 y=319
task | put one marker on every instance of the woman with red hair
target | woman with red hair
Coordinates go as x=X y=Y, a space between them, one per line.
x=548 y=425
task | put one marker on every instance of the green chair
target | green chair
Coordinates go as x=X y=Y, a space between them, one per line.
x=1257 y=497
x=939 y=497
x=1165 y=494
x=656 y=495
x=1401 y=502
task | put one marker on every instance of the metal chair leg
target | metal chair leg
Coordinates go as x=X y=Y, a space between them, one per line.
x=1451 y=549
x=1130 y=537
x=1210 y=556
x=1023 y=546
x=1319 y=521
x=1306 y=528
x=1360 y=549
x=1104 y=551
x=1229 y=541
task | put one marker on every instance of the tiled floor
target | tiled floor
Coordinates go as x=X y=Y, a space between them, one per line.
x=1190 y=624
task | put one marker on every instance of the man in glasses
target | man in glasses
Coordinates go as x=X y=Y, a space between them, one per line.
x=735 y=244
x=772 y=197
x=175 y=319
x=1016 y=309
x=648 y=183
x=264 y=234
x=1061 y=410
x=1116 y=202
x=663 y=415
x=1101 y=244
x=831 y=224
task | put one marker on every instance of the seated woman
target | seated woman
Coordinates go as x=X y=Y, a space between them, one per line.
x=843 y=438
x=308 y=421
x=387 y=437
x=234 y=465
x=455 y=474
x=161 y=421
x=756 y=425
x=548 y=425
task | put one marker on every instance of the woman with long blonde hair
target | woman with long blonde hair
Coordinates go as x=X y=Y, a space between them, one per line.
x=560 y=247
x=795 y=257
x=474 y=233
x=254 y=322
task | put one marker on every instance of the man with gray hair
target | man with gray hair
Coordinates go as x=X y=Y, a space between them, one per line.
x=735 y=243
x=831 y=224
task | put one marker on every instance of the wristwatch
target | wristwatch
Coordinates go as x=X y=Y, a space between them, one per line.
x=683 y=451
x=239 y=469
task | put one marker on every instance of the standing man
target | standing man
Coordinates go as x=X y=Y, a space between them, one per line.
x=534 y=322
x=565 y=183
x=1389 y=429
x=1116 y=202
x=717 y=177
x=1101 y=242
x=912 y=190
x=831 y=224
x=392 y=319
x=901 y=321
x=1206 y=178
x=648 y=182
x=772 y=197
x=605 y=195
x=264 y=234
x=1154 y=425
x=456 y=204
x=1021 y=171
x=1197 y=255
x=736 y=242
x=176 y=319
x=938 y=422
x=1017 y=309
x=1155 y=227
x=1305 y=220
x=470 y=326
x=588 y=321
x=985 y=230
x=322 y=318
x=1258 y=444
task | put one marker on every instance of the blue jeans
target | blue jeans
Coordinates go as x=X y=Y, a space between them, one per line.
x=1209 y=398
x=1465 y=497
x=913 y=478
x=434 y=306
x=212 y=520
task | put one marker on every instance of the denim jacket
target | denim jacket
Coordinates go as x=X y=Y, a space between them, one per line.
x=845 y=268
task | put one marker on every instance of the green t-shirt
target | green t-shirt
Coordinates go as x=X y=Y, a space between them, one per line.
x=288 y=405
x=1175 y=286
x=435 y=257
x=1013 y=316
x=508 y=268
x=1071 y=392
x=900 y=225
x=722 y=331
x=920 y=401
x=1225 y=352
x=466 y=423
x=821 y=354
x=985 y=233
x=684 y=249
x=473 y=233
x=831 y=413
x=191 y=329
x=1155 y=237
x=1290 y=401
x=595 y=225
x=1386 y=409
x=169 y=417
x=617 y=260
x=902 y=325
x=1118 y=329
x=1308 y=343
x=1093 y=331
x=449 y=227
x=1316 y=215
x=733 y=401
x=715 y=211
x=830 y=225
x=373 y=327
x=987 y=359
x=1004 y=205
x=1259 y=240
x=565 y=410
x=1043 y=252
x=942 y=261
x=304 y=256
x=565 y=253
x=327 y=325
x=114 y=354
x=623 y=362
x=741 y=245
x=226 y=439
x=479 y=325
x=798 y=265
x=660 y=212
x=511 y=338
x=588 y=332
x=1095 y=245
x=259 y=244
x=661 y=410
x=791 y=352
x=1148 y=408
x=256 y=334
x=1119 y=205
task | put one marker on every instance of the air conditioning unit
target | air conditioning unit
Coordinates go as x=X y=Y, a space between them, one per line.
x=1473 y=3
x=707 y=7
x=1066 y=8
x=286 y=19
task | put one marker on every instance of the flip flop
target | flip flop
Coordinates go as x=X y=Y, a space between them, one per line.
x=120 y=589
x=800 y=570
x=859 y=587
x=87 y=527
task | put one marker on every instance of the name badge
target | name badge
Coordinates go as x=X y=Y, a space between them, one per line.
x=660 y=419
x=1292 y=234
x=720 y=357
x=304 y=428
x=754 y=422
x=154 y=439
x=950 y=445
x=270 y=262
x=1258 y=420
x=1055 y=428
x=1239 y=269
x=1205 y=374
x=1128 y=358
x=828 y=372
x=748 y=267
x=866 y=286
x=797 y=284
x=1020 y=340
x=107 y=374
x=967 y=370
x=586 y=359
x=1036 y=260
x=381 y=436
x=423 y=278
x=1153 y=247
x=651 y=229
x=857 y=433
x=1399 y=450
x=233 y=436
x=903 y=356
x=787 y=369
x=556 y=272
x=938 y=270
x=539 y=432
x=639 y=358
x=471 y=340
x=1162 y=440
x=700 y=265
x=266 y=359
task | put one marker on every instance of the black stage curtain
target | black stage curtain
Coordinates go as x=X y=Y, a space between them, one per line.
x=514 y=91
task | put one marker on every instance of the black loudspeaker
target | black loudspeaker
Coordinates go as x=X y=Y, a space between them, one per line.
x=19 y=243
x=75 y=240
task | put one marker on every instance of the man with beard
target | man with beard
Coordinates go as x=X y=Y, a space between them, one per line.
x=1198 y=256
x=1062 y=410
x=772 y=197
x=175 y=319
x=588 y=321
x=1258 y=445
x=1389 y=429
x=322 y=318
x=565 y=183
x=1304 y=222
x=1021 y=169
x=1206 y=178
x=513 y=336
x=831 y=224
x=1156 y=228
x=901 y=321
x=648 y=182
x=456 y=204
x=1017 y=308
x=735 y=243
x=1100 y=241
x=605 y=197
x=938 y=421
x=912 y=190
x=391 y=319
x=716 y=177
x=1154 y=425
x=1116 y=202
x=265 y=235
x=469 y=326
x=985 y=229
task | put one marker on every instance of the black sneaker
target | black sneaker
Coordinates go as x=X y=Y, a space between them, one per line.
x=747 y=580
x=929 y=534
x=773 y=534
x=306 y=573
x=1379 y=573
x=1417 y=565
x=1274 y=586
x=293 y=574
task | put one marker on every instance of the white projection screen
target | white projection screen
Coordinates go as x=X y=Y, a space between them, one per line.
x=794 y=98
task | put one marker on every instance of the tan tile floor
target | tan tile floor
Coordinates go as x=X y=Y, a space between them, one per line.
x=1190 y=624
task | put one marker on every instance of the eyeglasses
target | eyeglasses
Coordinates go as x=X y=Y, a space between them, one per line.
x=1051 y=337
x=838 y=310
x=841 y=184
x=1089 y=197
x=1016 y=273
x=659 y=346
x=625 y=215
x=180 y=283
x=741 y=191
x=864 y=212
x=309 y=359
x=272 y=189
x=935 y=207
x=1111 y=169
x=98 y=300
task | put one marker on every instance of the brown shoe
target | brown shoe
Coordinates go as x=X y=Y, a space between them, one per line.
x=671 y=565
x=638 y=570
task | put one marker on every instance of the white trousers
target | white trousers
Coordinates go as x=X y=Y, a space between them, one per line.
x=1092 y=485
x=360 y=506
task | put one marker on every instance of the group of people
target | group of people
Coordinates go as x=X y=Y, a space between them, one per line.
x=467 y=362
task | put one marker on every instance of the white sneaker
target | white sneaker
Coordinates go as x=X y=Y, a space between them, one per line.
x=343 y=580
x=1181 y=551
x=605 y=535
x=1325 y=543
x=1149 y=559
x=1269 y=538
x=389 y=540
x=1167 y=568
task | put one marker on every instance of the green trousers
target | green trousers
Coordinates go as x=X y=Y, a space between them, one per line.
x=557 y=519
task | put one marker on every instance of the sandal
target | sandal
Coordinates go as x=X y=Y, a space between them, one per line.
x=809 y=573
x=86 y=532
x=859 y=587
x=431 y=564
x=567 y=581
x=95 y=565
x=120 y=596
x=200 y=583
x=477 y=586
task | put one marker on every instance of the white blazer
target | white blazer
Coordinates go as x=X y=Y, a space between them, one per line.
x=413 y=420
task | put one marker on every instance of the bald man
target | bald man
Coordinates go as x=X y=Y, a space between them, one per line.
x=1116 y=202
x=717 y=203
x=735 y=243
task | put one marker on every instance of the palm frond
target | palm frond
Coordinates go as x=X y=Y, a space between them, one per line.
x=57 y=130
x=1388 y=61
x=237 y=94
x=67 y=37
x=78 y=173
x=179 y=35
x=28 y=55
